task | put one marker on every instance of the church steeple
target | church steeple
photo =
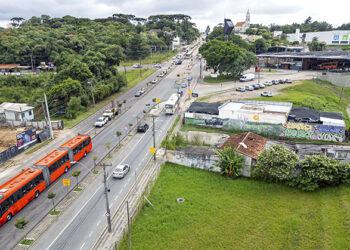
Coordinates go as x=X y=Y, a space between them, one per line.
x=247 y=18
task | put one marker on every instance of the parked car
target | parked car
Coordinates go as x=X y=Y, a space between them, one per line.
x=281 y=81
x=142 y=127
x=154 y=81
x=121 y=170
x=261 y=85
x=194 y=94
x=101 y=121
x=266 y=94
x=288 y=80
x=178 y=62
x=241 y=89
x=256 y=86
x=268 y=83
x=157 y=65
x=137 y=65
x=275 y=82
x=250 y=88
x=214 y=121
x=138 y=93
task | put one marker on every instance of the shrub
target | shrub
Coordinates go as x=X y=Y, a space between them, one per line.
x=230 y=162
x=320 y=171
x=276 y=164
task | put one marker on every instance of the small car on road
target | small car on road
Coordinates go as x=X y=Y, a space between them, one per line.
x=137 y=65
x=101 y=121
x=142 y=127
x=121 y=170
x=138 y=93
x=157 y=65
x=154 y=81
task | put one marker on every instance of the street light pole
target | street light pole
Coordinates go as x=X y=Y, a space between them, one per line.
x=126 y=80
x=91 y=82
x=127 y=210
x=48 y=117
x=108 y=212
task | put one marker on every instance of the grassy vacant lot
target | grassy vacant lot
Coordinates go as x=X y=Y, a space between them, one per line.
x=158 y=57
x=220 y=213
x=310 y=94
x=270 y=71
x=133 y=78
x=219 y=79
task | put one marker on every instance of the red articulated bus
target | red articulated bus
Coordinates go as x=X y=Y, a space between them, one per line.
x=77 y=147
x=19 y=191
x=54 y=165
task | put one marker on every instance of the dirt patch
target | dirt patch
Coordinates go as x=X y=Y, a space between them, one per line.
x=8 y=137
x=233 y=94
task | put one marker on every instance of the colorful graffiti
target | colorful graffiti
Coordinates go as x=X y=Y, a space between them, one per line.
x=313 y=131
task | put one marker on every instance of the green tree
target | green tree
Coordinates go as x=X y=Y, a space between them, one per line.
x=20 y=224
x=76 y=174
x=315 y=45
x=138 y=48
x=276 y=164
x=260 y=46
x=217 y=33
x=230 y=162
x=52 y=196
x=76 y=70
x=118 y=133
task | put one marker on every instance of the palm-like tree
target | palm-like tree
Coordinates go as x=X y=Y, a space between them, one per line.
x=230 y=162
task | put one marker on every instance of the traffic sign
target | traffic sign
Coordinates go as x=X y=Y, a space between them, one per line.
x=152 y=150
x=107 y=214
x=158 y=100
x=190 y=91
x=66 y=182
x=182 y=74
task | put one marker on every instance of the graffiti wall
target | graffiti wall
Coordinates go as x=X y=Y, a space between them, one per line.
x=289 y=129
x=313 y=131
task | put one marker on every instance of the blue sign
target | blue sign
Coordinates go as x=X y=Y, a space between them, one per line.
x=336 y=37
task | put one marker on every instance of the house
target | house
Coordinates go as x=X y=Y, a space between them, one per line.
x=8 y=67
x=241 y=27
x=16 y=112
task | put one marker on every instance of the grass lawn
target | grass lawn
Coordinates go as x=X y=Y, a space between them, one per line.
x=219 y=213
x=270 y=71
x=310 y=94
x=158 y=57
x=133 y=77
x=219 y=79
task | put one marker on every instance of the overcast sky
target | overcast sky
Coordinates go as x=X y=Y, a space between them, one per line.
x=203 y=12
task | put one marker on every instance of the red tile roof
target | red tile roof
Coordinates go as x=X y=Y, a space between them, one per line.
x=248 y=144
x=8 y=66
x=239 y=24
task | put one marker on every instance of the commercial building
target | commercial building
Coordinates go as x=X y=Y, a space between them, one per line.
x=334 y=37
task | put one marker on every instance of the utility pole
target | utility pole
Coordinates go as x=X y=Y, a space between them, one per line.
x=127 y=210
x=48 y=117
x=91 y=82
x=108 y=212
x=31 y=61
x=140 y=68
x=126 y=80
x=154 y=138
x=151 y=54
x=200 y=69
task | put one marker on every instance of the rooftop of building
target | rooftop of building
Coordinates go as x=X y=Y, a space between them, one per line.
x=345 y=55
x=15 y=107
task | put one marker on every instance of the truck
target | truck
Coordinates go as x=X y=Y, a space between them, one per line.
x=111 y=112
x=247 y=77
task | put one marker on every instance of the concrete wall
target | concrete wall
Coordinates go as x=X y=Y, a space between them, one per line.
x=212 y=139
x=202 y=158
x=39 y=125
x=16 y=116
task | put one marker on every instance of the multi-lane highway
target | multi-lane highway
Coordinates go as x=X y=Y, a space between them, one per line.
x=86 y=216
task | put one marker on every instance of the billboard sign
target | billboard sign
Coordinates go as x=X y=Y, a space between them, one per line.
x=335 y=37
x=26 y=138
x=345 y=37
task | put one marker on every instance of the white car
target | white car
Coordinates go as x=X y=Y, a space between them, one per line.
x=121 y=170
x=137 y=65
x=266 y=94
x=268 y=83
x=101 y=121
x=158 y=65
x=161 y=75
x=154 y=81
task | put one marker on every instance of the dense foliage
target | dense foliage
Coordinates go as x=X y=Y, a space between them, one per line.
x=227 y=57
x=85 y=53
x=278 y=164
x=230 y=161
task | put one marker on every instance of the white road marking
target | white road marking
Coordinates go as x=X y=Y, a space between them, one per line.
x=116 y=197
x=73 y=217
x=82 y=246
x=91 y=233
x=98 y=223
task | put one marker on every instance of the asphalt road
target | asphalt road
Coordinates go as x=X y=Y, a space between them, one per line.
x=37 y=209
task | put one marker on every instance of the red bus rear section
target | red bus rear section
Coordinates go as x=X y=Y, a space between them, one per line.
x=54 y=165
x=19 y=191
x=78 y=147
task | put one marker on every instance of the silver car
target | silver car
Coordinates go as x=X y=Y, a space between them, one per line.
x=120 y=171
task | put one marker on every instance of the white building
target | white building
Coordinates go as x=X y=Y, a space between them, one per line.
x=256 y=111
x=176 y=43
x=241 y=27
x=334 y=37
x=16 y=111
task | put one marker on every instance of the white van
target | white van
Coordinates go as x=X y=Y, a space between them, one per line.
x=247 y=78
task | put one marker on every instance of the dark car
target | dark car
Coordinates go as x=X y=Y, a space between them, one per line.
x=142 y=127
x=214 y=121
x=256 y=86
x=194 y=94
x=281 y=81
x=274 y=82
x=178 y=62
x=180 y=92
x=138 y=94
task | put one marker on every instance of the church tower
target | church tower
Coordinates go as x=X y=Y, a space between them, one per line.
x=247 y=18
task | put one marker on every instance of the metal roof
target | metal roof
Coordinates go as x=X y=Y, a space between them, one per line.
x=345 y=55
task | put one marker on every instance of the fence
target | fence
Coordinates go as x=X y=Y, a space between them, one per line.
x=38 y=125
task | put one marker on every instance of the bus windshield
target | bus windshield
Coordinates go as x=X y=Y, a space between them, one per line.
x=168 y=106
